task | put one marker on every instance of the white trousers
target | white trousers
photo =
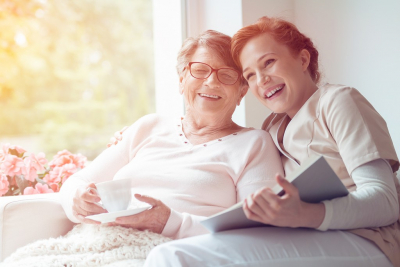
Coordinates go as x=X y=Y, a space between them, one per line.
x=271 y=247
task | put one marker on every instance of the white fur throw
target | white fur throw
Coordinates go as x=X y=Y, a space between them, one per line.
x=89 y=245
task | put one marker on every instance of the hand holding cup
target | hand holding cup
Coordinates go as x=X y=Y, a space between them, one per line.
x=115 y=195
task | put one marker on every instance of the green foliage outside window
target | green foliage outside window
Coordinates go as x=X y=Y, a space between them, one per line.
x=73 y=72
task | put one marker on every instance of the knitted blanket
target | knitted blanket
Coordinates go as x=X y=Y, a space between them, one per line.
x=89 y=245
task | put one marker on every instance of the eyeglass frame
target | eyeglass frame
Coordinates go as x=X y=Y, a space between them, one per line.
x=212 y=70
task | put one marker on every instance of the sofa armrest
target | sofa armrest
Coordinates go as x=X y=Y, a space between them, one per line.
x=25 y=219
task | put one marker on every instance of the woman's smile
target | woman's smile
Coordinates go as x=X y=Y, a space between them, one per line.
x=209 y=97
x=274 y=91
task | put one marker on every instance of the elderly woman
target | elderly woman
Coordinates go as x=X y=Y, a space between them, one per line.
x=280 y=65
x=186 y=168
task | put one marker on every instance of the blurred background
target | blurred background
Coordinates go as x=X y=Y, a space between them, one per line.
x=73 y=72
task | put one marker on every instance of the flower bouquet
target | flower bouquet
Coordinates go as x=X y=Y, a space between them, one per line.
x=33 y=174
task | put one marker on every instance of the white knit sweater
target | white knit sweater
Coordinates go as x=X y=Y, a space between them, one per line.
x=195 y=181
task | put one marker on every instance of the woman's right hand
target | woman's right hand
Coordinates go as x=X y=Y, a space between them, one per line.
x=84 y=204
x=117 y=137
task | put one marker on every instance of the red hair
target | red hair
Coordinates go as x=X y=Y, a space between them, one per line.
x=283 y=32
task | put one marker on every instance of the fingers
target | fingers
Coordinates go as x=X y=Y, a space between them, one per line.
x=267 y=207
x=117 y=137
x=143 y=216
x=153 y=219
x=133 y=220
x=256 y=204
x=113 y=141
x=264 y=203
x=268 y=199
x=249 y=214
x=84 y=201
x=288 y=187
x=87 y=208
x=147 y=199
x=89 y=194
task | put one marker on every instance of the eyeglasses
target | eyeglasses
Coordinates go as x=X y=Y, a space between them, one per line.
x=201 y=70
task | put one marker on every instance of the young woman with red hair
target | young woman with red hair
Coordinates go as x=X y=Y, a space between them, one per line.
x=280 y=65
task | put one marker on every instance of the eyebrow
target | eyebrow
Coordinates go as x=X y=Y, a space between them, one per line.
x=258 y=60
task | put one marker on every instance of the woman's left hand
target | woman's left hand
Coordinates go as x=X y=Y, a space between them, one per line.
x=153 y=219
x=284 y=211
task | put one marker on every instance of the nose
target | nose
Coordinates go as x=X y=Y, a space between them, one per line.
x=212 y=80
x=263 y=79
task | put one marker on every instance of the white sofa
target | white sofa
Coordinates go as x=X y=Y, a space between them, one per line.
x=25 y=219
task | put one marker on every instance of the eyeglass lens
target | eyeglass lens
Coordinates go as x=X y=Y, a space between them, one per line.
x=203 y=71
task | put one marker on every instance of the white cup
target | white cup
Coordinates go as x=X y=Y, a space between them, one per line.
x=115 y=195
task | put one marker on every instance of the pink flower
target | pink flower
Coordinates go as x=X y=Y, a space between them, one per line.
x=80 y=161
x=30 y=191
x=2 y=155
x=60 y=174
x=69 y=169
x=7 y=149
x=43 y=188
x=46 y=178
x=61 y=158
x=30 y=174
x=54 y=175
x=55 y=187
x=34 y=164
x=39 y=189
x=3 y=184
x=31 y=171
x=12 y=165
x=19 y=149
x=4 y=151
x=38 y=161
x=65 y=157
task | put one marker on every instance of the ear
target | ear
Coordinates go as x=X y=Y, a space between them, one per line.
x=181 y=84
x=243 y=92
x=305 y=59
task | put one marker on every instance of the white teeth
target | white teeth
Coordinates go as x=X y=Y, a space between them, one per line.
x=274 y=91
x=212 y=96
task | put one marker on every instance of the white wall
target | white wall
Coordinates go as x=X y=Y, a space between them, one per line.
x=359 y=44
x=168 y=26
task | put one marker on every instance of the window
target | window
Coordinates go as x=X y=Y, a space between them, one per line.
x=73 y=72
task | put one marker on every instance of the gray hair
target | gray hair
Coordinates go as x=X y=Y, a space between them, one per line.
x=217 y=42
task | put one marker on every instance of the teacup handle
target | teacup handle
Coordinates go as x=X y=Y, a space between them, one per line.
x=89 y=189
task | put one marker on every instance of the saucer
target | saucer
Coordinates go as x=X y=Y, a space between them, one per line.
x=111 y=216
